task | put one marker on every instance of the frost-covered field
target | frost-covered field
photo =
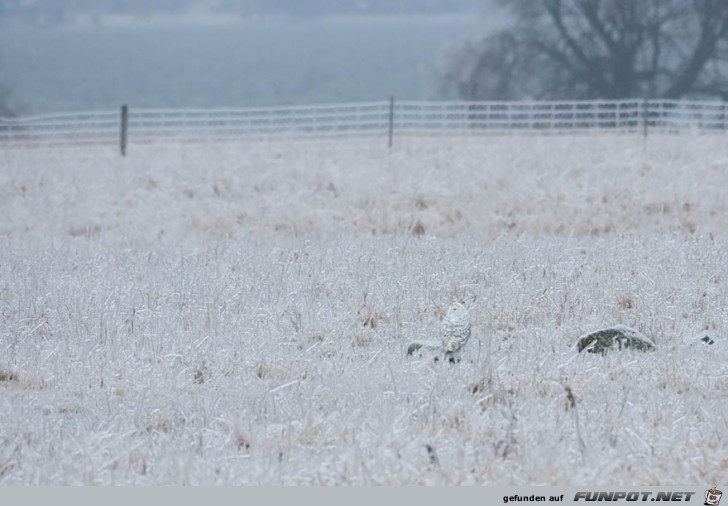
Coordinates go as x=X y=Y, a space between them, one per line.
x=238 y=314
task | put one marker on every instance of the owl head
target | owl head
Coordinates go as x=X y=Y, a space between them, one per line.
x=457 y=310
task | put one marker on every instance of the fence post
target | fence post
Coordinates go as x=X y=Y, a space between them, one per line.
x=124 y=128
x=391 y=121
x=645 y=116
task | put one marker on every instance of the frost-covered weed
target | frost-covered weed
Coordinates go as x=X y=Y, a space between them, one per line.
x=240 y=314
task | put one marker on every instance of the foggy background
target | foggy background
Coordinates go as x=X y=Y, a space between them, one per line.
x=91 y=55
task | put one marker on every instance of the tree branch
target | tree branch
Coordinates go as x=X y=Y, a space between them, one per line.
x=713 y=26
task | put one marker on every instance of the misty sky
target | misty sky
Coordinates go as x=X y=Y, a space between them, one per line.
x=54 y=12
x=95 y=55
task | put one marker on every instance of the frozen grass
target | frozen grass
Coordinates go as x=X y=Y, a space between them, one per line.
x=239 y=314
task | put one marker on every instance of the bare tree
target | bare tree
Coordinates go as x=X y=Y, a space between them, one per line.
x=585 y=49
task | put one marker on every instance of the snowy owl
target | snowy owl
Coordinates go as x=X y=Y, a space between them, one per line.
x=455 y=330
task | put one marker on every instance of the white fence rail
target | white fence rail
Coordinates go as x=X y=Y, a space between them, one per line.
x=372 y=119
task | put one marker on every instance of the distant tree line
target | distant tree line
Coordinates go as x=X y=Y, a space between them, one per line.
x=57 y=12
x=338 y=7
x=6 y=109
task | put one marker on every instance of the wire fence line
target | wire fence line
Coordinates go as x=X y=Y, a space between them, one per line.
x=385 y=120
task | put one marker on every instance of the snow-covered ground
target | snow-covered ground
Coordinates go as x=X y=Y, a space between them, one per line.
x=239 y=314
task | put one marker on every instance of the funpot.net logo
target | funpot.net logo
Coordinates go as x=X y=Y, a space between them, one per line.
x=712 y=497
x=634 y=496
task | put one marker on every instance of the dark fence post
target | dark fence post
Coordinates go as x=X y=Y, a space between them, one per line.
x=645 y=116
x=124 y=128
x=391 y=121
